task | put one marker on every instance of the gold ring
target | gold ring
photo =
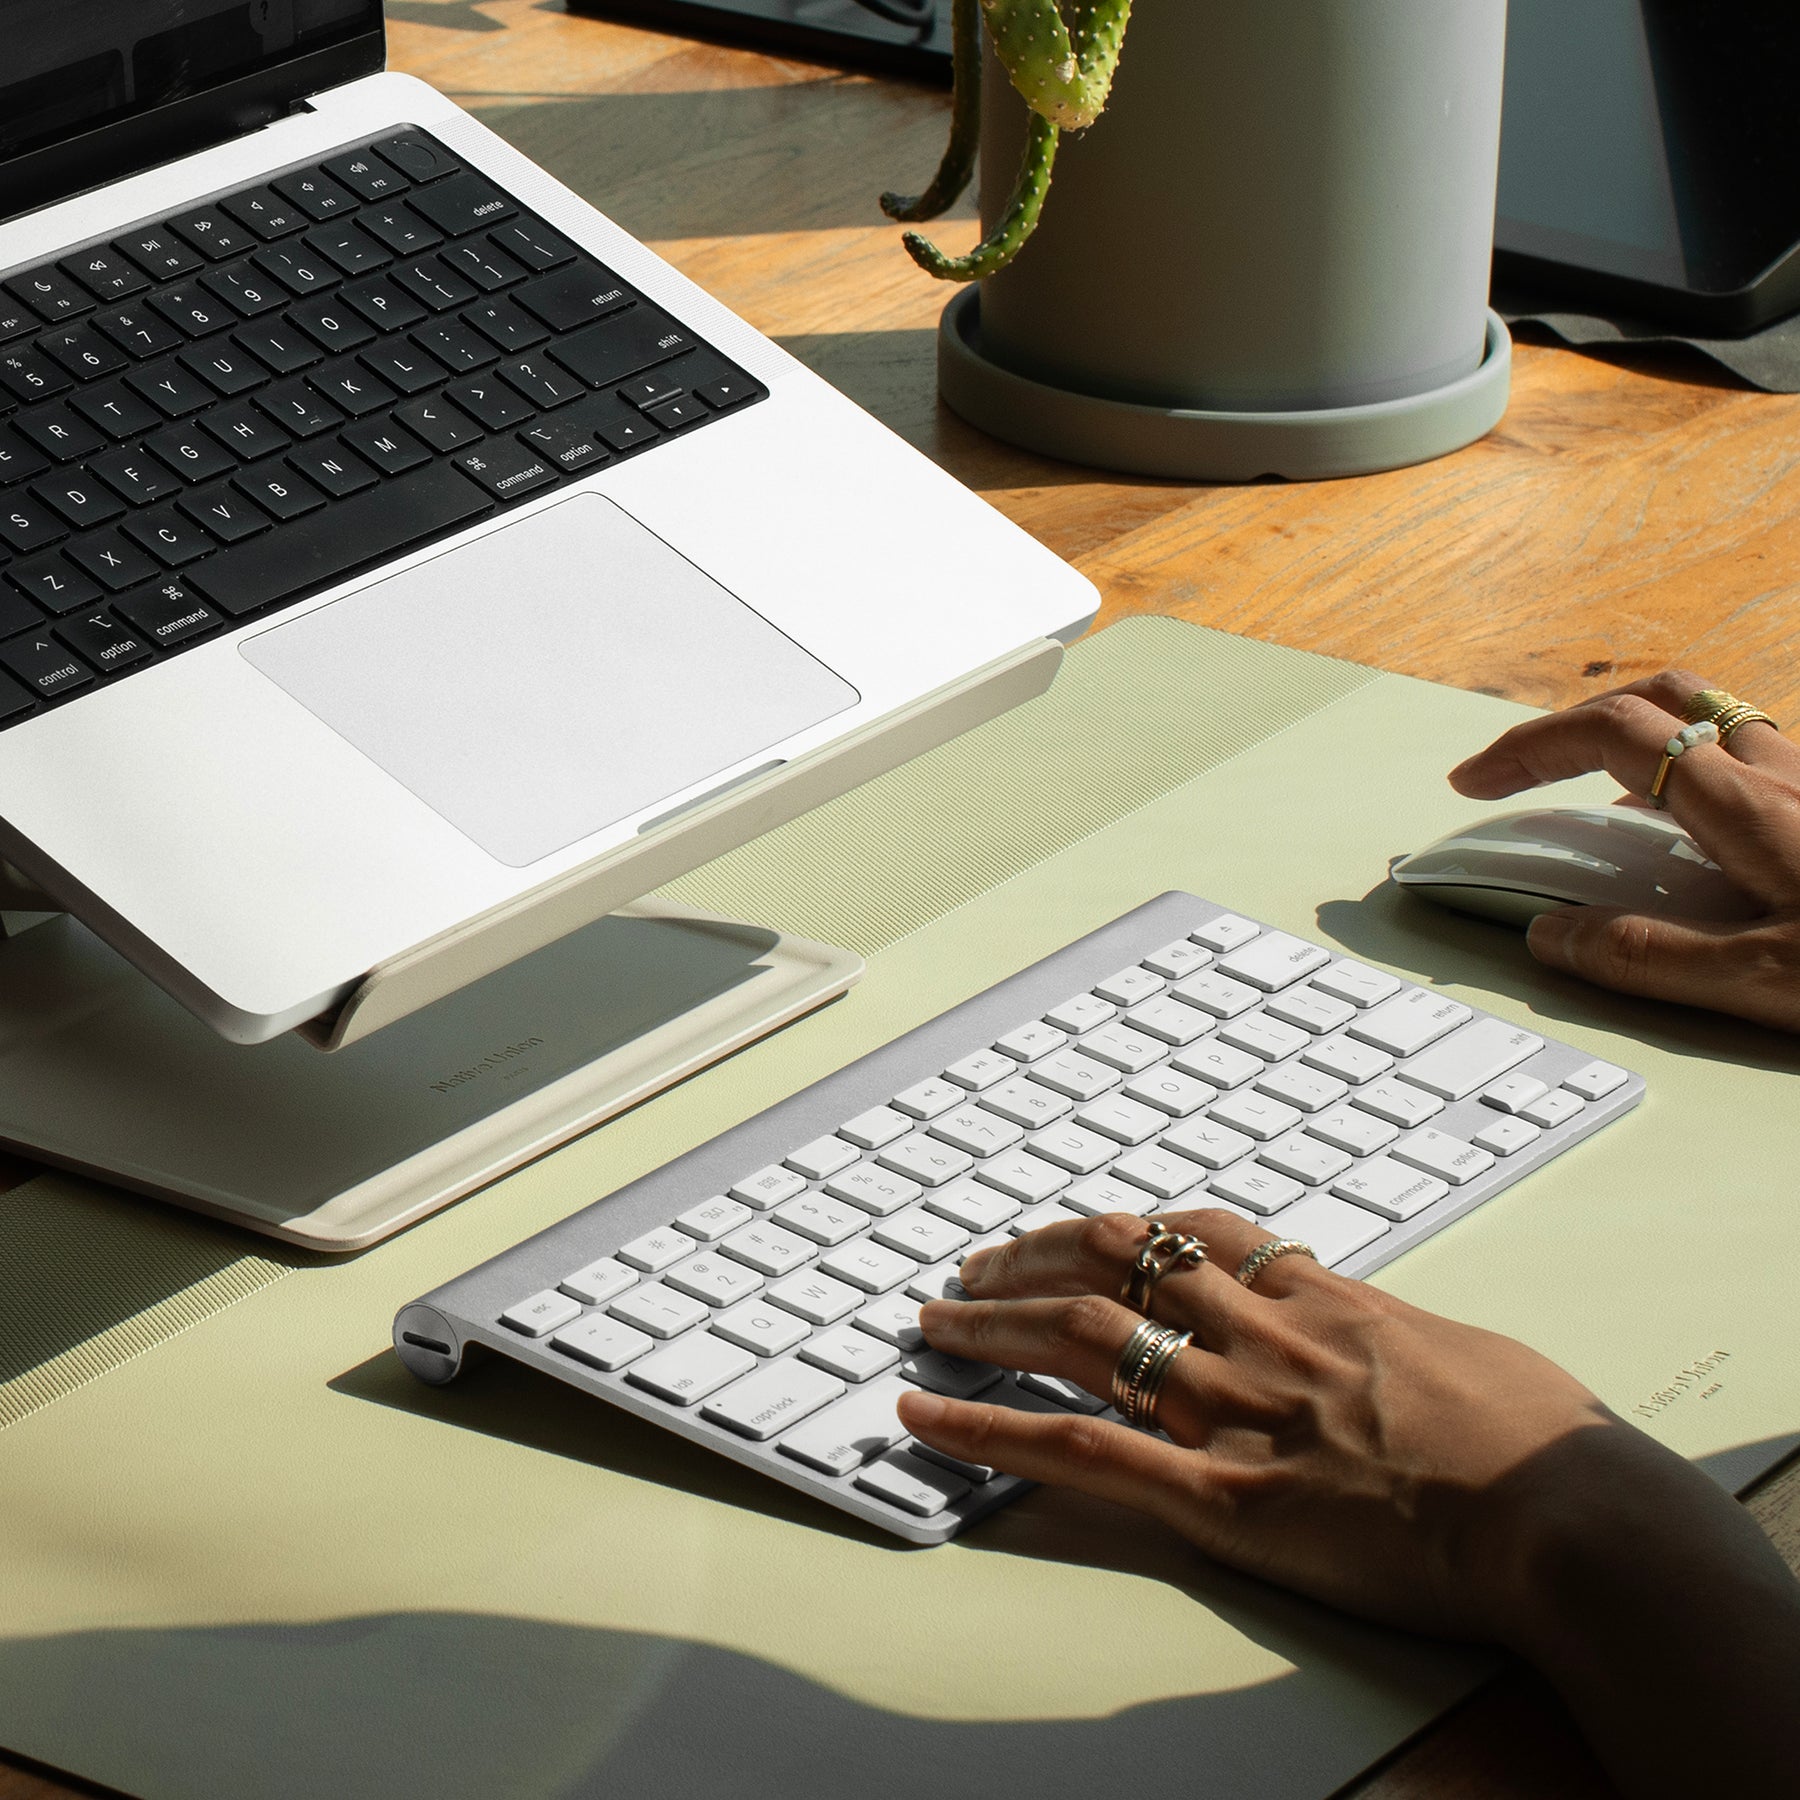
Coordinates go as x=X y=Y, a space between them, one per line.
x=1713 y=706
x=1266 y=1252
x=1686 y=739
x=1163 y=1252
x=1141 y=1370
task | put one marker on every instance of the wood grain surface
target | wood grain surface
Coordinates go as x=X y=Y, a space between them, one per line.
x=1628 y=514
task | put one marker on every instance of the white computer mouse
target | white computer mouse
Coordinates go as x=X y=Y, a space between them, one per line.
x=1518 y=865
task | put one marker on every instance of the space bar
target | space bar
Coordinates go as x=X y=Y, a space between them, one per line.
x=317 y=550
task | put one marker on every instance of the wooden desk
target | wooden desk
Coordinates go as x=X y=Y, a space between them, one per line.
x=1619 y=520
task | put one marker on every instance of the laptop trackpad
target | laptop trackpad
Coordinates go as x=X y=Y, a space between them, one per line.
x=551 y=678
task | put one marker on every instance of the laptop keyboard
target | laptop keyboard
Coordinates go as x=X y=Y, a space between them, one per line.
x=761 y=1294
x=211 y=417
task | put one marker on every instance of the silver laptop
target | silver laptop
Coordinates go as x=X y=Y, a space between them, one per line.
x=384 y=533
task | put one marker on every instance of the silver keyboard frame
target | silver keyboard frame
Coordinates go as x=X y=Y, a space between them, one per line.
x=465 y=1313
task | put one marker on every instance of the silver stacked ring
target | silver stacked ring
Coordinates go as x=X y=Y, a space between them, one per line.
x=1141 y=1370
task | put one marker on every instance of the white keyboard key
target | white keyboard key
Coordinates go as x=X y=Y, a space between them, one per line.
x=872 y=1267
x=1347 y=1060
x=1312 y=1011
x=1082 y=1013
x=1079 y=1077
x=815 y=1297
x=1035 y=1218
x=688 y=1371
x=1305 y=1158
x=1218 y=1064
x=657 y=1249
x=1263 y=1036
x=940 y=1283
x=1595 y=1080
x=1225 y=932
x=1273 y=961
x=541 y=1313
x=912 y=1484
x=1074 y=1148
x=854 y=1355
x=1557 y=1107
x=1397 y=1101
x=1212 y=1146
x=1308 y=1089
x=1120 y=1046
x=976 y=1474
x=1031 y=1041
x=1506 y=1137
x=925 y=1160
x=823 y=1156
x=1255 y=1188
x=1404 y=1025
x=923 y=1236
x=712 y=1219
x=1256 y=1115
x=1104 y=1194
x=715 y=1279
x=980 y=1070
x=1066 y=1394
x=767 y=1248
x=757 y=1326
x=953 y=1376
x=1169 y=1020
x=879 y=1125
x=1334 y=1228
x=772 y=1398
x=973 y=1205
x=1361 y=987
x=1027 y=1103
x=1350 y=1128
x=769 y=1187
x=874 y=1190
x=850 y=1431
x=1129 y=986
x=1513 y=1091
x=1216 y=994
x=660 y=1310
x=1125 y=1121
x=1175 y=960
x=1471 y=1058
x=600 y=1281
x=976 y=1130
x=823 y=1220
x=929 y=1098
x=1171 y=1092
x=1026 y=1177
x=895 y=1320
x=1390 y=1188
x=1160 y=1172
x=602 y=1343
x=1437 y=1153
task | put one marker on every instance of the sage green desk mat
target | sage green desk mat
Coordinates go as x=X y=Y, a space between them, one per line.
x=243 y=1554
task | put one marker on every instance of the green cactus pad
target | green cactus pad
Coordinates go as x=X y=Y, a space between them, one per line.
x=1060 y=58
x=1016 y=224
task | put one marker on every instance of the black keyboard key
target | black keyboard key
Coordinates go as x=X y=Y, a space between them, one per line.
x=98 y=638
x=137 y=479
x=168 y=614
x=159 y=253
x=57 y=586
x=454 y=345
x=245 y=432
x=462 y=204
x=297 y=268
x=16 y=320
x=279 y=491
x=438 y=423
x=430 y=283
x=45 y=667
x=542 y=380
x=504 y=324
x=19 y=461
x=195 y=310
x=104 y=273
x=225 y=513
x=331 y=325
x=568 y=446
x=479 y=262
x=113 y=560
x=51 y=295
x=316 y=194
x=490 y=401
x=647 y=390
x=677 y=415
x=575 y=296
x=621 y=346
x=27 y=524
x=16 y=612
x=189 y=452
x=296 y=408
x=169 y=537
x=139 y=332
x=222 y=365
x=245 y=288
x=416 y=156
x=14 y=701
x=27 y=376
x=171 y=389
x=265 y=212
x=215 y=234
x=354 y=251
x=322 y=548
x=366 y=175
x=614 y=423
x=404 y=368
x=400 y=228
x=726 y=390
x=385 y=306
x=59 y=433
x=506 y=468
x=80 y=499
x=350 y=386
x=333 y=468
x=390 y=449
x=85 y=354
x=116 y=410
x=280 y=347
x=533 y=243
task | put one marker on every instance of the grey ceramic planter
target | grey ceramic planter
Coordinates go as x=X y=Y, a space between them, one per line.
x=1269 y=255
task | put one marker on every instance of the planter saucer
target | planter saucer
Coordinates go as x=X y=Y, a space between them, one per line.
x=1215 y=446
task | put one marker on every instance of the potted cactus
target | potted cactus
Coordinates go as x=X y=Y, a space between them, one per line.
x=1224 y=238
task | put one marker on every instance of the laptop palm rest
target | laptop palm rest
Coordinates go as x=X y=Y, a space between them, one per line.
x=550 y=678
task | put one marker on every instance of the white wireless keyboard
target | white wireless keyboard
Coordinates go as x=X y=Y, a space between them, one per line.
x=760 y=1294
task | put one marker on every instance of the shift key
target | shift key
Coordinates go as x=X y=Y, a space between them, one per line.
x=617 y=347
